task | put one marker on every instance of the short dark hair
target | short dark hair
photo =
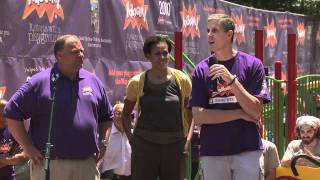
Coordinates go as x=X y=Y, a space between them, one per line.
x=59 y=44
x=154 y=40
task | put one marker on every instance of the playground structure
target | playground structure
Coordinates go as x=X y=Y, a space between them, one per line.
x=299 y=172
x=290 y=98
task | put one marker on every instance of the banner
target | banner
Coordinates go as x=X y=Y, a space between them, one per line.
x=113 y=31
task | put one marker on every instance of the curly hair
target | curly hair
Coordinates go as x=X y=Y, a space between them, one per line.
x=154 y=40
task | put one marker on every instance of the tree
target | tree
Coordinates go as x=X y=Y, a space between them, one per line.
x=307 y=7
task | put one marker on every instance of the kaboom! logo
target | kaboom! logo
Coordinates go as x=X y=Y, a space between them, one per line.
x=53 y=9
x=318 y=36
x=301 y=33
x=136 y=14
x=239 y=30
x=190 y=22
x=271 y=31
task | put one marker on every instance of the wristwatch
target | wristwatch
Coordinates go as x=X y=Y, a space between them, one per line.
x=103 y=143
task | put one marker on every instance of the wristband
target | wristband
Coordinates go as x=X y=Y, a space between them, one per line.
x=233 y=80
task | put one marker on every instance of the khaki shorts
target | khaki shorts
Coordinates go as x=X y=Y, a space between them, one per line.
x=243 y=166
x=61 y=169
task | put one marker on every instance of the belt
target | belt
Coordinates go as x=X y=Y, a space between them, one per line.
x=121 y=176
x=54 y=157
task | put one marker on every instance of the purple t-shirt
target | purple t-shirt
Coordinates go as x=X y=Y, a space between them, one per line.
x=80 y=105
x=235 y=136
x=7 y=147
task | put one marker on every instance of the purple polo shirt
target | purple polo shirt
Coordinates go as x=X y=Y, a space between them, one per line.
x=80 y=106
x=239 y=135
x=7 y=147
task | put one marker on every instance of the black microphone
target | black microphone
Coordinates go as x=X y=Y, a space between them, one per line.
x=214 y=82
x=55 y=77
x=49 y=145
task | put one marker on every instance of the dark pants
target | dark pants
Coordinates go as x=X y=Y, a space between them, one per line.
x=111 y=176
x=150 y=160
x=119 y=177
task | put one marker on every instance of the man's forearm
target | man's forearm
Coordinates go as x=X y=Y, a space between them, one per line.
x=270 y=174
x=19 y=132
x=104 y=130
x=190 y=132
x=286 y=160
x=215 y=116
x=13 y=160
x=249 y=103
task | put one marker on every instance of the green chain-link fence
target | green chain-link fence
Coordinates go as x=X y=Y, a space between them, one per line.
x=274 y=124
x=275 y=112
x=308 y=88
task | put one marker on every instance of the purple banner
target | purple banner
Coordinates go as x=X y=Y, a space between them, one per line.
x=113 y=32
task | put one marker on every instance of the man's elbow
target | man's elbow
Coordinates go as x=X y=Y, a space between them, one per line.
x=257 y=115
x=257 y=111
x=197 y=122
x=197 y=117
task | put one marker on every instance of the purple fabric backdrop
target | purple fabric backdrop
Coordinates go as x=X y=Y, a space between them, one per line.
x=113 y=31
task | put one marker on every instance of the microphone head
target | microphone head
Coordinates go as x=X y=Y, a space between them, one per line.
x=212 y=61
x=54 y=77
x=214 y=83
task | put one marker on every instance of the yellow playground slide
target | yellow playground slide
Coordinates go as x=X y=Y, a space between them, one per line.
x=299 y=172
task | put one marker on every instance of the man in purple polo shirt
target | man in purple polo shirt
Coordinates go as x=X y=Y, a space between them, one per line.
x=228 y=110
x=81 y=119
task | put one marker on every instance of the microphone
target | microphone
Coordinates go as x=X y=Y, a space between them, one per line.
x=49 y=145
x=214 y=83
x=55 y=77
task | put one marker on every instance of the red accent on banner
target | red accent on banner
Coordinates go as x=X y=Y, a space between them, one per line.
x=190 y=22
x=136 y=14
x=41 y=8
x=271 y=31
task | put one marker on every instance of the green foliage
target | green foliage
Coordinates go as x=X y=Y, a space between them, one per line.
x=307 y=7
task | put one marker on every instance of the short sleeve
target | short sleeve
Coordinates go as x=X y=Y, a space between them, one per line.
x=198 y=93
x=22 y=104
x=272 y=157
x=105 y=108
x=258 y=83
x=290 y=151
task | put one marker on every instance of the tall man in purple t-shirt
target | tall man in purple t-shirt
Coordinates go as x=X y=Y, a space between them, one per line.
x=228 y=110
x=81 y=119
